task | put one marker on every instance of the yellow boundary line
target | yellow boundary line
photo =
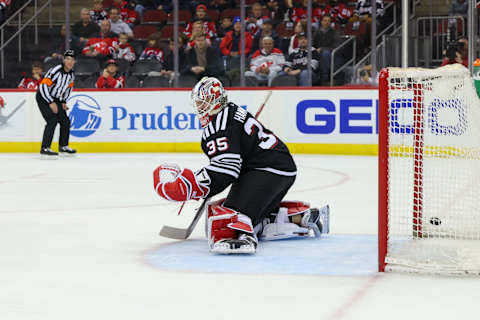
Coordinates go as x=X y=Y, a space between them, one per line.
x=98 y=147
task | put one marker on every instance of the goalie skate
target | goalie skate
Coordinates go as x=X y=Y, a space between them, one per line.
x=297 y=222
x=319 y=220
x=244 y=244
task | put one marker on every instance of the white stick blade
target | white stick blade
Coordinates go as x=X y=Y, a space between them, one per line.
x=174 y=233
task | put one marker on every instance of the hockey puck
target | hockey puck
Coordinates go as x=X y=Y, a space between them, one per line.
x=435 y=221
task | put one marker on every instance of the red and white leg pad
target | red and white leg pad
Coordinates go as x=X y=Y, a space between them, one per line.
x=229 y=231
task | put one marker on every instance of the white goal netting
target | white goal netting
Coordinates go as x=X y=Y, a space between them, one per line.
x=433 y=171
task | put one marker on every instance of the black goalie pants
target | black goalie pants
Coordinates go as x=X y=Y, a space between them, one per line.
x=52 y=119
x=258 y=193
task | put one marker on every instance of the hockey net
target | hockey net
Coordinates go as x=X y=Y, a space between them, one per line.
x=429 y=171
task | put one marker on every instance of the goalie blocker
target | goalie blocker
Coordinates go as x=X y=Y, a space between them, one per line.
x=252 y=160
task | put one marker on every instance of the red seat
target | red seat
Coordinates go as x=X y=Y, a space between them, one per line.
x=230 y=12
x=107 y=4
x=167 y=31
x=285 y=30
x=142 y=31
x=154 y=17
x=351 y=29
x=184 y=16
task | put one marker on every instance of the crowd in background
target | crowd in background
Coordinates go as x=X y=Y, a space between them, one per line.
x=112 y=33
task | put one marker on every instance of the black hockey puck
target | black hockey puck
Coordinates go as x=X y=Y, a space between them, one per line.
x=435 y=221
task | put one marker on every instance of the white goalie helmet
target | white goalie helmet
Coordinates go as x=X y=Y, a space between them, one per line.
x=208 y=98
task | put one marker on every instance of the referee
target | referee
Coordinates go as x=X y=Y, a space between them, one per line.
x=52 y=94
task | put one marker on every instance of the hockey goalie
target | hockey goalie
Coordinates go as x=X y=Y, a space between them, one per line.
x=257 y=165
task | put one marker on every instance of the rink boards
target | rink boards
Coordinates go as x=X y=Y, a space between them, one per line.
x=329 y=121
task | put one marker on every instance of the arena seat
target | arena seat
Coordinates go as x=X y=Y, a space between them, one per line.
x=154 y=17
x=142 y=31
x=155 y=82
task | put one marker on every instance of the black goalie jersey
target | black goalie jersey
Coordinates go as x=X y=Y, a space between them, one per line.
x=236 y=142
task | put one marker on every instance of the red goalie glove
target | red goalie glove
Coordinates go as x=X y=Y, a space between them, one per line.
x=174 y=184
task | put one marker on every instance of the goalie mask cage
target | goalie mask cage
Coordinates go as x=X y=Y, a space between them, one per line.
x=429 y=171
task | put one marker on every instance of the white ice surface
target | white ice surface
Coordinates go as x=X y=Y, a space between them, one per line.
x=79 y=240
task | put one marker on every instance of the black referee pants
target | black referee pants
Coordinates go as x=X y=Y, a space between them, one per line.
x=52 y=119
x=258 y=193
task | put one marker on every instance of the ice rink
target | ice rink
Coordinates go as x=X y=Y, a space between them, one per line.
x=79 y=240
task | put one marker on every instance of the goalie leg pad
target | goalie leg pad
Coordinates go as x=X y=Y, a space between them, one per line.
x=296 y=219
x=229 y=231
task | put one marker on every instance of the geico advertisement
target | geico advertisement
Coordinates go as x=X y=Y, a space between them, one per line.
x=326 y=116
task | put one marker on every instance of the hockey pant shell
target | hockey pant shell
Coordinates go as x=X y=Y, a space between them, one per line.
x=52 y=119
x=258 y=193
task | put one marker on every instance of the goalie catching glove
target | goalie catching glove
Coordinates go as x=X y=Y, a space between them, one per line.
x=176 y=184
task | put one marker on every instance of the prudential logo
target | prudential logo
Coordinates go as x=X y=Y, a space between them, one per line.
x=84 y=115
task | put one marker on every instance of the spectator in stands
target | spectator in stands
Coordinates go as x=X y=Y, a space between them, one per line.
x=266 y=30
x=101 y=44
x=300 y=27
x=226 y=25
x=208 y=24
x=324 y=41
x=58 y=45
x=203 y=60
x=84 y=28
x=127 y=13
x=363 y=11
x=230 y=45
x=255 y=18
x=364 y=76
x=168 y=70
x=165 y=5
x=117 y=25
x=456 y=53
x=318 y=11
x=33 y=81
x=4 y=4
x=110 y=77
x=123 y=50
x=300 y=12
x=340 y=12
x=266 y=63
x=198 y=29
x=297 y=62
x=98 y=13
x=275 y=10
x=153 y=50
x=458 y=8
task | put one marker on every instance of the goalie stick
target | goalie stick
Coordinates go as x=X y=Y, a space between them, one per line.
x=183 y=234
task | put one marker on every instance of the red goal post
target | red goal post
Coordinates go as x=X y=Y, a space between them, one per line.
x=429 y=171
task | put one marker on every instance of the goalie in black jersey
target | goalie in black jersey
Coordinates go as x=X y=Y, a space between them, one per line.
x=257 y=165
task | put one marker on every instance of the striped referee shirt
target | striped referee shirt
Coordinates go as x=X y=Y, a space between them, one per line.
x=57 y=84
